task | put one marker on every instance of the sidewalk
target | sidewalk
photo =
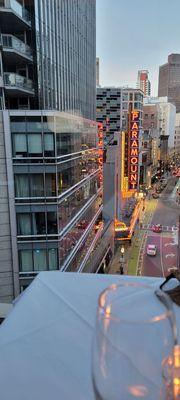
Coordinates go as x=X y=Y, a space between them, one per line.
x=115 y=263
x=132 y=252
x=139 y=238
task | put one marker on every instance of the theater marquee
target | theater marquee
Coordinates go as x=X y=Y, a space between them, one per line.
x=133 y=159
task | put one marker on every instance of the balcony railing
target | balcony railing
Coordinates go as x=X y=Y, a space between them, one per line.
x=11 y=42
x=17 y=8
x=15 y=80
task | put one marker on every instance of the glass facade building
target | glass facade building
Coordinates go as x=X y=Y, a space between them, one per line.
x=48 y=55
x=112 y=107
x=56 y=187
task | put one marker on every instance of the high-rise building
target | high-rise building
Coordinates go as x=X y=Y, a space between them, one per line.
x=50 y=197
x=159 y=128
x=143 y=82
x=169 y=80
x=112 y=108
x=176 y=144
x=47 y=55
x=97 y=71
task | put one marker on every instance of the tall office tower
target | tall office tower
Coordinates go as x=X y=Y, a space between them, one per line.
x=47 y=55
x=97 y=71
x=169 y=80
x=112 y=106
x=143 y=82
x=50 y=197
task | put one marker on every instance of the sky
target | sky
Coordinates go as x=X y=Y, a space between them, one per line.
x=135 y=34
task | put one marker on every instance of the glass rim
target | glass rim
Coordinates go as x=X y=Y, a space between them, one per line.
x=102 y=305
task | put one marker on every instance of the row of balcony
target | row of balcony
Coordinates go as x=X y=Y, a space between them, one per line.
x=12 y=44
x=13 y=13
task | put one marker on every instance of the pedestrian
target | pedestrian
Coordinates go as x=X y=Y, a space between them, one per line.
x=121 y=270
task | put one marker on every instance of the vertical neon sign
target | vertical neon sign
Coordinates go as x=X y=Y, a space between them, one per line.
x=133 y=150
x=100 y=150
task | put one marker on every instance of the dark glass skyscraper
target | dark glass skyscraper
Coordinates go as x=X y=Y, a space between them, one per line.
x=169 y=80
x=48 y=55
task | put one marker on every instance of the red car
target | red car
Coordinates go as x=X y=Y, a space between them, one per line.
x=157 y=228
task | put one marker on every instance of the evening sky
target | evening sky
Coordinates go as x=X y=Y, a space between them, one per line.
x=135 y=34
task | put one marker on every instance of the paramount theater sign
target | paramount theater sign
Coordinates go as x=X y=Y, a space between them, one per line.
x=133 y=150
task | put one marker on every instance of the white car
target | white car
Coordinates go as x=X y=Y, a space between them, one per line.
x=151 y=250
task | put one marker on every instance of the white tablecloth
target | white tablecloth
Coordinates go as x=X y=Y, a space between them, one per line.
x=45 y=342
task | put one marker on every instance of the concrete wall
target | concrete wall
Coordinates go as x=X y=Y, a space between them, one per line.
x=6 y=270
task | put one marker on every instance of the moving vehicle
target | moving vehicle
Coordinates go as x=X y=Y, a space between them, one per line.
x=151 y=250
x=157 y=228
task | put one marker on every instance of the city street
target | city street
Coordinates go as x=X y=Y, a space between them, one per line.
x=167 y=214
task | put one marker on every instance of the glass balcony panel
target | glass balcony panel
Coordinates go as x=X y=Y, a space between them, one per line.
x=12 y=79
x=12 y=42
x=17 y=8
x=70 y=240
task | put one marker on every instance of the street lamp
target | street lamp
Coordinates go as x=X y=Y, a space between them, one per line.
x=122 y=250
x=122 y=261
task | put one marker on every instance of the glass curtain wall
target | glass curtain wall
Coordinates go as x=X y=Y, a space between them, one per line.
x=48 y=195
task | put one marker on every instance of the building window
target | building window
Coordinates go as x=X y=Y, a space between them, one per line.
x=51 y=222
x=40 y=260
x=37 y=185
x=21 y=185
x=26 y=260
x=24 y=224
x=52 y=259
x=50 y=185
x=35 y=144
x=146 y=116
x=39 y=223
x=49 y=145
x=19 y=145
x=152 y=116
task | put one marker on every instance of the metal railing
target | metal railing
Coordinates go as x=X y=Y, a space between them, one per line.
x=17 y=8
x=11 y=42
x=12 y=79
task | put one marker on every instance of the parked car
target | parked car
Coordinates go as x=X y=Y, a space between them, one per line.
x=151 y=250
x=164 y=181
x=158 y=190
x=155 y=195
x=157 y=228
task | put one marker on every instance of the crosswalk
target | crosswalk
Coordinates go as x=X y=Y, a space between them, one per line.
x=165 y=228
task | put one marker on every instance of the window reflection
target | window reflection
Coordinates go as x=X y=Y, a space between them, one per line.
x=69 y=241
x=73 y=171
x=70 y=206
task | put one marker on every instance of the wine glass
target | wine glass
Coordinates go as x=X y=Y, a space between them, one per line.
x=133 y=344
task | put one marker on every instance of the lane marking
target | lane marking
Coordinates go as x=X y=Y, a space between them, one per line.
x=170 y=244
x=161 y=257
x=171 y=255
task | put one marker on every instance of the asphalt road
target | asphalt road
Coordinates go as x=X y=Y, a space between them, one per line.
x=167 y=213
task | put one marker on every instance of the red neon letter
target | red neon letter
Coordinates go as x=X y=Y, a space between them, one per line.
x=134 y=152
x=134 y=160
